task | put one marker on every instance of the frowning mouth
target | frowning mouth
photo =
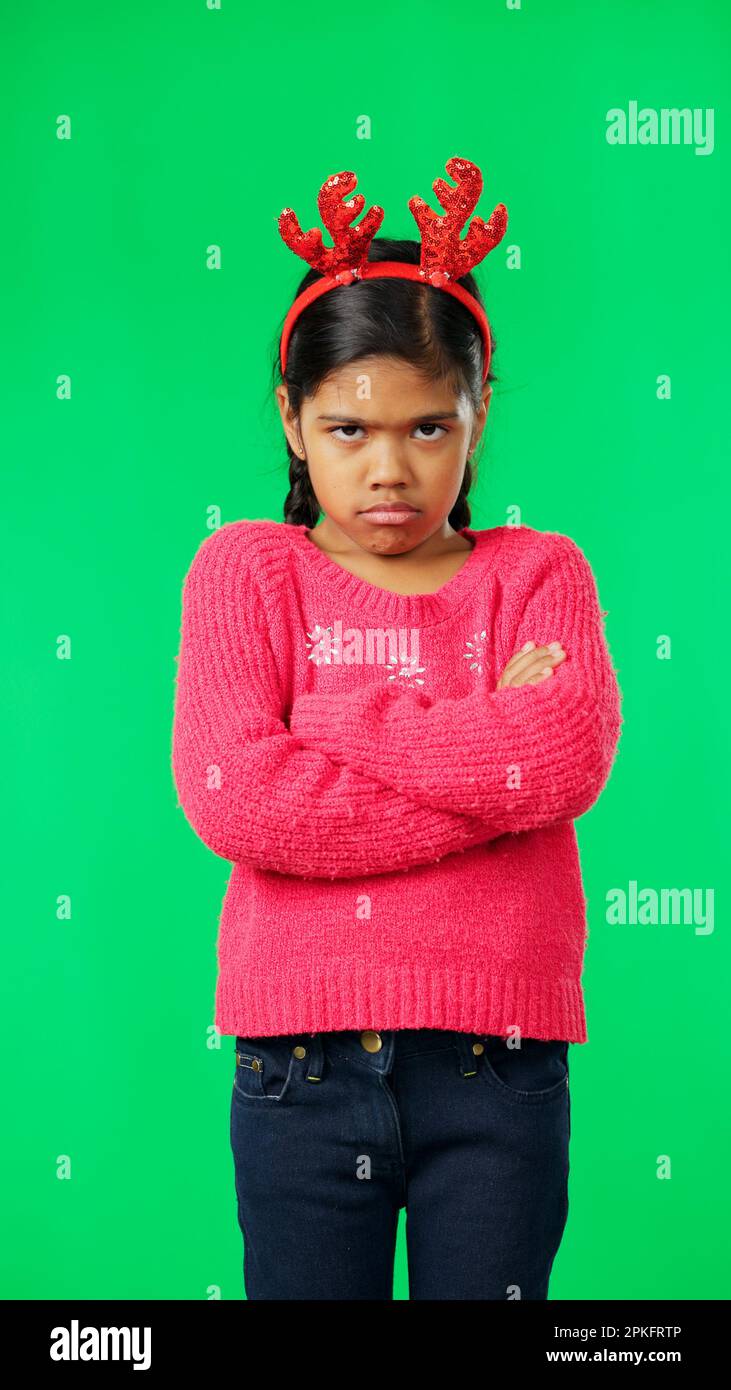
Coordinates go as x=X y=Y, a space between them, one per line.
x=390 y=513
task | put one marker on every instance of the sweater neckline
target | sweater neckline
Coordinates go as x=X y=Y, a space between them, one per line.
x=419 y=609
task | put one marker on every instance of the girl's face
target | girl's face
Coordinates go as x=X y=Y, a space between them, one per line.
x=377 y=433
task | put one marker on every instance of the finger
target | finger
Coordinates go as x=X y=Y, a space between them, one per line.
x=529 y=652
x=534 y=669
x=533 y=662
x=535 y=673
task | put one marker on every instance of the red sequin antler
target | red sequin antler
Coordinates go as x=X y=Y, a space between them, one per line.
x=443 y=255
x=349 y=252
x=444 y=258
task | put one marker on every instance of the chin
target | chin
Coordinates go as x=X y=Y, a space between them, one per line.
x=395 y=543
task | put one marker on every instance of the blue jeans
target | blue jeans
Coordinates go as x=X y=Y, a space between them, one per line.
x=332 y=1133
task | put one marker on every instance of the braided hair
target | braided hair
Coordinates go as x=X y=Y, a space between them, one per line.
x=398 y=318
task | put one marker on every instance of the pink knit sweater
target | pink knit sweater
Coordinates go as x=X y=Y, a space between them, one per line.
x=401 y=833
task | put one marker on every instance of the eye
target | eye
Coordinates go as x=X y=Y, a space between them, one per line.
x=347 y=431
x=334 y=432
x=430 y=425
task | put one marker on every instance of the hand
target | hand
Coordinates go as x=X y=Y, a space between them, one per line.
x=531 y=665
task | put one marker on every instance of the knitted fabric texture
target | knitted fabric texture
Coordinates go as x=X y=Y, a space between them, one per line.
x=401 y=832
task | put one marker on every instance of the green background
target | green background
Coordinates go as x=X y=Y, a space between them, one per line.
x=193 y=127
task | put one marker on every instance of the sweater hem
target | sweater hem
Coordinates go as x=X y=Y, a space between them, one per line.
x=358 y=996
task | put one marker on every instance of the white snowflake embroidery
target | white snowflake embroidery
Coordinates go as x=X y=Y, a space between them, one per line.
x=477 y=652
x=408 y=673
x=324 y=645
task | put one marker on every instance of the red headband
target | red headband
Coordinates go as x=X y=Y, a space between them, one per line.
x=444 y=258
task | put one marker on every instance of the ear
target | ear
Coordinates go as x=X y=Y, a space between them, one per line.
x=288 y=420
x=481 y=418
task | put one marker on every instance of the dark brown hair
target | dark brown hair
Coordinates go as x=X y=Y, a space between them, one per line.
x=400 y=318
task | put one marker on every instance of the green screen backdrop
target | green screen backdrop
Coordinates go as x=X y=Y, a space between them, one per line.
x=148 y=149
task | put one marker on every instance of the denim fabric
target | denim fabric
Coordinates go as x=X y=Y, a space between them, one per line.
x=470 y=1135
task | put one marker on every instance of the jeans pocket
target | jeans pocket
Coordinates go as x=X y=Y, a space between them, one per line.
x=532 y=1074
x=264 y=1067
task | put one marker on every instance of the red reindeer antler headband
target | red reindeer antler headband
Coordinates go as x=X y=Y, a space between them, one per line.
x=444 y=258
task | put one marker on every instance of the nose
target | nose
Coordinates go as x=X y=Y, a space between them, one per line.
x=388 y=464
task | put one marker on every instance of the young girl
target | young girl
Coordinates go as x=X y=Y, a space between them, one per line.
x=388 y=722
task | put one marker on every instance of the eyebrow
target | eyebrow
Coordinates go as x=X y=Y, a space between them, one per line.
x=356 y=419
